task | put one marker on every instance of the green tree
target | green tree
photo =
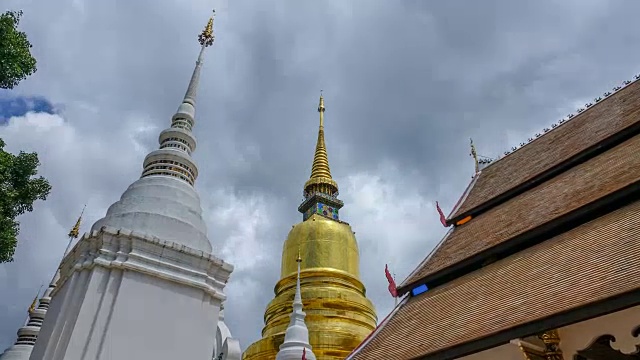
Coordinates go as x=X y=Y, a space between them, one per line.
x=19 y=188
x=16 y=62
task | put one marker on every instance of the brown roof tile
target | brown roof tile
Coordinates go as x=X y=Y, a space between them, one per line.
x=602 y=120
x=579 y=186
x=595 y=261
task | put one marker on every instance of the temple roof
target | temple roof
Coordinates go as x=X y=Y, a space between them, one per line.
x=596 y=261
x=607 y=117
x=545 y=180
x=547 y=235
x=560 y=196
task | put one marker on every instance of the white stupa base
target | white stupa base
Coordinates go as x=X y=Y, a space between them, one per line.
x=294 y=352
x=128 y=296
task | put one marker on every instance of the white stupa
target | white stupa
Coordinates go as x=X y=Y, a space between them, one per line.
x=143 y=283
x=296 y=339
x=28 y=334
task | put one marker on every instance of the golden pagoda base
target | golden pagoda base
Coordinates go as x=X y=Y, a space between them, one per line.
x=339 y=316
x=328 y=342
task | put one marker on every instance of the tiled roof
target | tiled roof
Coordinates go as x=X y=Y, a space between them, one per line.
x=596 y=261
x=577 y=187
x=611 y=115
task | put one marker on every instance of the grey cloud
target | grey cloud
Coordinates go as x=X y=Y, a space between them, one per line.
x=405 y=83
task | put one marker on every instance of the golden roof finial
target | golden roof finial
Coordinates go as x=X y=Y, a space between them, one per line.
x=474 y=154
x=35 y=300
x=75 y=231
x=299 y=259
x=320 y=179
x=551 y=340
x=33 y=304
x=207 y=37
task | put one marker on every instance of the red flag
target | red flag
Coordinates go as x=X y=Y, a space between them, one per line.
x=392 y=283
x=443 y=219
x=304 y=353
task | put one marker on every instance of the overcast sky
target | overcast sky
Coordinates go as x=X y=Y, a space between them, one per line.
x=406 y=84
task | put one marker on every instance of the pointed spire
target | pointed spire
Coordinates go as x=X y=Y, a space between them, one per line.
x=320 y=191
x=206 y=39
x=179 y=136
x=163 y=202
x=296 y=338
x=297 y=299
x=320 y=179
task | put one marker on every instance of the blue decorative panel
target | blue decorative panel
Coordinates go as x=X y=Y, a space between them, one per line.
x=322 y=209
x=419 y=290
x=326 y=210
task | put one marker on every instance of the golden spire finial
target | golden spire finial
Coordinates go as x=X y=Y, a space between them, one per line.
x=33 y=304
x=321 y=110
x=75 y=231
x=320 y=179
x=35 y=300
x=474 y=154
x=207 y=37
x=299 y=259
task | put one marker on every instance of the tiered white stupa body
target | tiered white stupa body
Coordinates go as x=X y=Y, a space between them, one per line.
x=296 y=339
x=143 y=283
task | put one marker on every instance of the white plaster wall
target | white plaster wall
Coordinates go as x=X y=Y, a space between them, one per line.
x=55 y=316
x=128 y=315
x=173 y=316
x=136 y=306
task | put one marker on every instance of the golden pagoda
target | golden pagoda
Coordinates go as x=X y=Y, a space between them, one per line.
x=339 y=316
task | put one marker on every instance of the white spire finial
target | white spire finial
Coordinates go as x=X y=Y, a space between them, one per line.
x=205 y=39
x=179 y=136
x=296 y=339
x=297 y=299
